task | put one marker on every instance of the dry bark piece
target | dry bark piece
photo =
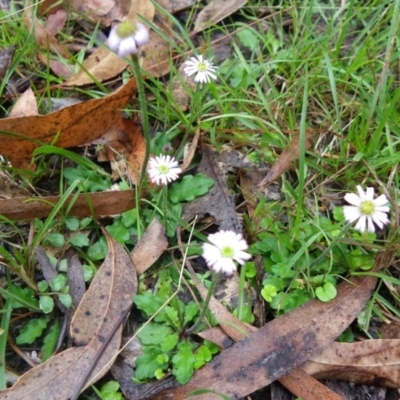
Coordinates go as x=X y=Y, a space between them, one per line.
x=370 y=362
x=72 y=126
x=5 y=60
x=76 y=279
x=217 y=336
x=150 y=247
x=307 y=388
x=103 y=204
x=280 y=346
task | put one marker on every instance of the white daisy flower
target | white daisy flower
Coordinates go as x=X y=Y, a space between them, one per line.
x=126 y=37
x=204 y=69
x=367 y=210
x=163 y=169
x=224 y=248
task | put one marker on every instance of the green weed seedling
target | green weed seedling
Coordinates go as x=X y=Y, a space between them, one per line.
x=164 y=350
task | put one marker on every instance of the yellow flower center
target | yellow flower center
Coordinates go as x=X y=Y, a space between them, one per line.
x=202 y=67
x=126 y=29
x=164 y=169
x=227 y=252
x=367 y=207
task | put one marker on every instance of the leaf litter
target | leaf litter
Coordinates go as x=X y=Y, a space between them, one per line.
x=285 y=343
x=108 y=297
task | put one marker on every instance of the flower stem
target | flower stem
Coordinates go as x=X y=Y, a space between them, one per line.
x=164 y=206
x=330 y=247
x=144 y=115
x=214 y=281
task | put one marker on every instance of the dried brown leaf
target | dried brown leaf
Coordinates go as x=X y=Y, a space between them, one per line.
x=73 y=126
x=281 y=345
x=216 y=11
x=52 y=380
x=56 y=21
x=43 y=38
x=93 y=9
x=102 y=64
x=99 y=312
x=109 y=294
x=218 y=202
x=102 y=204
x=288 y=156
x=370 y=362
x=217 y=336
x=150 y=247
x=125 y=148
x=25 y=106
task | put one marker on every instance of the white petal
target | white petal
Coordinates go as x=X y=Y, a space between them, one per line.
x=369 y=193
x=361 y=224
x=351 y=213
x=380 y=219
x=352 y=199
x=141 y=35
x=361 y=192
x=228 y=266
x=127 y=47
x=371 y=226
x=381 y=201
x=113 y=39
x=241 y=257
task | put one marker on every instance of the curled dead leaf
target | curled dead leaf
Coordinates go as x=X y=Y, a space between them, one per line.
x=70 y=126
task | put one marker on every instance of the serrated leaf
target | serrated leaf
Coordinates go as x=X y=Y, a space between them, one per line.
x=31 y=331
x=183 y=363
x=118 y=231
x=202 y=356
x=147 y=364
x=55 y=239
x=148 y=303
x=42 y=286
x=248 y=38
x=191 y=310
x=169 y=342
x=26 y=297
x=72 y=223
x=154 y=334
x=189 y=188
x=79 y=240
x=129 y=218
x=98 y=250
x=58 y=283
x=109 y=391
